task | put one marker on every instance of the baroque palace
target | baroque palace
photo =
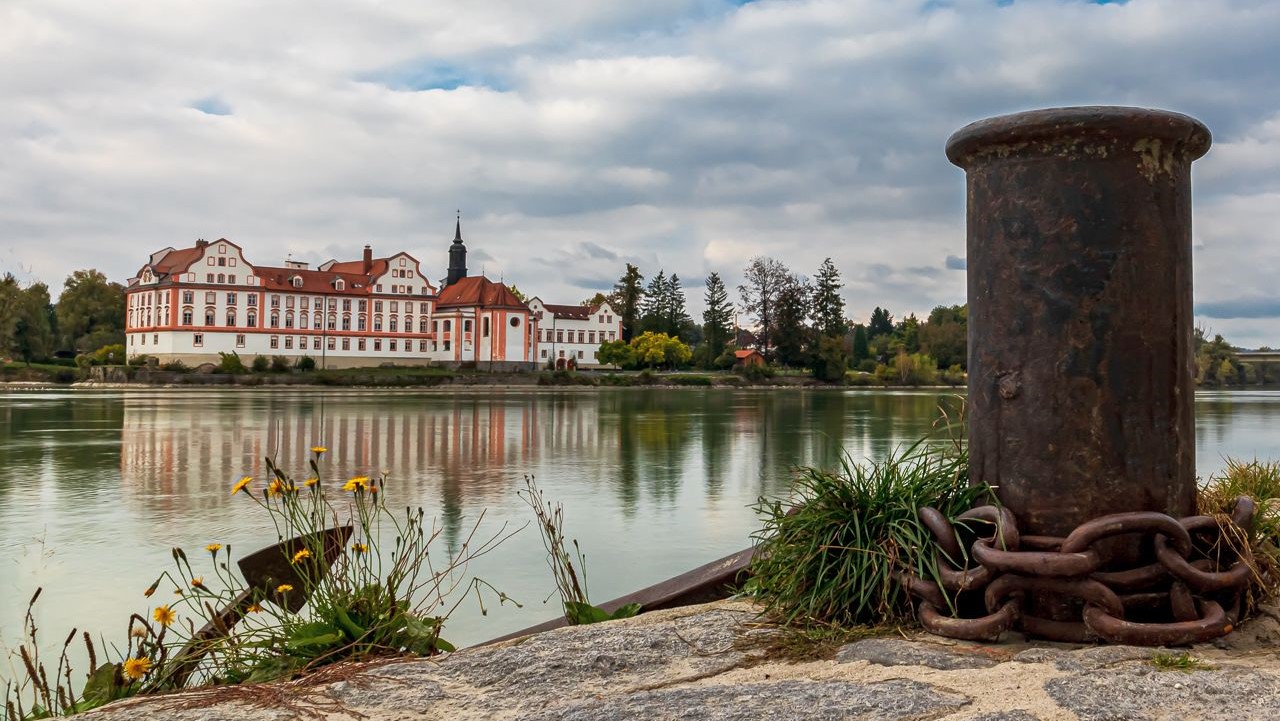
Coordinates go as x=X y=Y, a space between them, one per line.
x=194 y=303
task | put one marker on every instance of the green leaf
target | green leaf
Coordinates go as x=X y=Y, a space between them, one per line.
x=354 y=630
x=626 y=611
x=579 y=613
x=101 y=686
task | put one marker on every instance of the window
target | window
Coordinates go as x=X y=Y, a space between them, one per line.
x=363 y=305
x=318 y=304
x=346 y=344
x=377 y=306
x=448 y=324
x=333 y=304
x=186 y=316
x=332 y=343
x=210 y=298
x=579 y=355
x=210 y=261
x=484 y=327
x=231 y=278
x=240 y=340
x=377 y=344
x=591 y=337
x=208 y=316
x=197 y=339
x=144 y=339
x=392 y=345
x=333 y=322
x=315 y=321
x=360 y=324
x=288 y=302
x=275 y=301
x=466 y=326
x=395 y=306
x=515 y=321
x=275 y=342
x=222 y=278
x=377 y=323
x=231 y=298
x=582 y=336
x=422 y=324
x=222 y=248
x=251 y=300
x=339 y=284
x=422 y=346
x=231 y=262
x=302 y=319
x=231 y=318
x=222 y=261
x=613 y=335
x=346 y=305
x=315 y=342
x=288 y=342
x=559 y=336
x=208 y=277
x=446 y=345
x=297 y=281
x=346 y=322
x=275 y=320
x=360 y=344
x=155 y=338
x=402 y=262
x=188 y=296
x=544 y=352
x=393 y=325
x=252 y=321
x=377 y=288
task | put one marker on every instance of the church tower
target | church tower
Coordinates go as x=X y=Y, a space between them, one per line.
x=457 y=255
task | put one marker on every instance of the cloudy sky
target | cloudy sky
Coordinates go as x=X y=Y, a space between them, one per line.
x=577 y=135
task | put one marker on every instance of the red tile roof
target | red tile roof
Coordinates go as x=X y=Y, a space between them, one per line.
x=574 y=312
x=740 y=354
x=478 y=291
x=313 y=281
x=378 y=267
x=177 y=261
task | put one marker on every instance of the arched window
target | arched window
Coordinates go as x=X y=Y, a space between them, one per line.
x=302 y=319
x=186 y=316
x=252 y=320
x=393 y=326
x=377 y=323
x=408 y=324
x=208 y=316
x=346 y=321
x=315 y=321
x=297 y=281
x=222 y=278
x=422 y=324
x=275 y=320
x=333 y=321
x=339 y=284
x=288 y=319
x=448 y=325
x=231 y=318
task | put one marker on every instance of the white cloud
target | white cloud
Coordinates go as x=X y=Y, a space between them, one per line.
x=686 y=134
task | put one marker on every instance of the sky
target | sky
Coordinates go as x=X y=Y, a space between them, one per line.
x=579 y=135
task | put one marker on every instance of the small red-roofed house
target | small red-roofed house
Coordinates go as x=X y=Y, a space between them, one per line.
x=747 y=358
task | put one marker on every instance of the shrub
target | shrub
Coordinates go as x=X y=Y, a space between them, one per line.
x=176 y=366
x=260 y=364
x=64 y=375
x=280 y=364
x=231 y=363
x=689 y=380
x=138 y=360
x=868 y=365
x=1259 y=480
x=832 y=559
x=754 y=373
x=305 y=363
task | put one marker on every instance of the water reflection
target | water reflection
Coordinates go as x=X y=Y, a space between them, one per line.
x=96 y=487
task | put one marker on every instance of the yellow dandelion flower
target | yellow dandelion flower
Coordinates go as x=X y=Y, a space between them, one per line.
x=254 y=608
x=242 y=484
x=359 y=548
x=136 y=668
x=358 y=483
x=301 y=555
x=213 y=547
x=311 y=482
x=163 y=615
x=318 y=449
x=276 y=487
x=284 y=588
x=197 y=582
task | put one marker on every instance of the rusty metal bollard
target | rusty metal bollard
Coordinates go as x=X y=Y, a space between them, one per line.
x=1080 y=315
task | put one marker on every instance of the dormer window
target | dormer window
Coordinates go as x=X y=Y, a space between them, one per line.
x=297 y=281
x=339 y=284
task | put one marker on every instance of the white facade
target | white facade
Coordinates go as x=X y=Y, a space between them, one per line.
x=570 y=336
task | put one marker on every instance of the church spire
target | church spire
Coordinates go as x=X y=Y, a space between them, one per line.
x=457 y=255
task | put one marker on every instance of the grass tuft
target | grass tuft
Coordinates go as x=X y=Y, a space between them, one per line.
x=1260 y=480
x=1183 y=662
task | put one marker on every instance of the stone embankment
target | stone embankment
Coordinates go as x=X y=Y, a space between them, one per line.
x=707 y=662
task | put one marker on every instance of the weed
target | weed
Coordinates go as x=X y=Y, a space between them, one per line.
x=1183 y=662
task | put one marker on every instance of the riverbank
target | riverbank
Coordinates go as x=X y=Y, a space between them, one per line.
x=715 y=662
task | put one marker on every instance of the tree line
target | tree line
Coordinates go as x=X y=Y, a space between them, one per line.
x=89 y=315
x=794 y=321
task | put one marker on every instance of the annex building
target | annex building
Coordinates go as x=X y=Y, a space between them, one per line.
x=193 y=303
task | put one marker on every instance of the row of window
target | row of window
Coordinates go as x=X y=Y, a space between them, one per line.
x=580 y=354
x=362 y=344
x=584 y=336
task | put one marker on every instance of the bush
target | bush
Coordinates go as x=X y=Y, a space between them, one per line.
x=305 y=363
x=754 y=373
x=832 y=559
x=564 y=378
x=231 y=363
x=689 y=380
x=954 y=376
x=260 y=364
x=280 y=364
x=138 y=360
x=867 y=365
x=175 y=366
x=106 y=355
x=65 y=375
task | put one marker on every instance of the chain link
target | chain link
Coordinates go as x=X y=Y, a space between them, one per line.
x=1189 y=595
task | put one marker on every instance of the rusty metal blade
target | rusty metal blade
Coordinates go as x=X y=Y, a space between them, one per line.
x=266 y=570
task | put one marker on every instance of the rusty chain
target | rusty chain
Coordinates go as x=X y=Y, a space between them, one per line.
x=1191 y=593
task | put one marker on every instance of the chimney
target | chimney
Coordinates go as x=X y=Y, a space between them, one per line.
x=201 y=242
x=368 y=259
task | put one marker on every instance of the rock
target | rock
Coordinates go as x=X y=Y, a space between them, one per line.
x=901 y=652
x=781 y=700
x=1141 y=693
x=1092 y=658
x=1016 y=714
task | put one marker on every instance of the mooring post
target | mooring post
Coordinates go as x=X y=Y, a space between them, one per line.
x=1080 y=313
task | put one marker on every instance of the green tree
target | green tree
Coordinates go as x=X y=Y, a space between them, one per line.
x=519 y=294
x=763 y=280
x=90 y=311
x=628 y=294
x=881 y=323
x=616 y=353
x=654 y=309
x=659 y=349
x=595 y=300
x=10 y=301
x=945 y=335
x=908 y=331
x=677 y=321
x=830 y=362
x=861 y=351
x=828 y=306
x=793 y=337
x=717 y=319
x=32 y=337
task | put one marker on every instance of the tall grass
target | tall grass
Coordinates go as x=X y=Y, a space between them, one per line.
x=1260 y=480
x=829 y=555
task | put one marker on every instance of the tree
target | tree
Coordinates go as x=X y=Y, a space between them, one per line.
x=908 y=331
x=828 y=306
x=717 y=319
x=861 y=351
x=762 y=282
x=881 y=323
x=829 y=363
x=656 y=300
x=90 y=312
x=32 y=337
x=627 y=296
x=944 y=335
x=676 y=320
x=792 y=335
x=10 y=300
x=595 y=300
x=659 y=349
x=616 y=353
x=519 y=294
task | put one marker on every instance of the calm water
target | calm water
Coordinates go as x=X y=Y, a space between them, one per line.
x=96 y=487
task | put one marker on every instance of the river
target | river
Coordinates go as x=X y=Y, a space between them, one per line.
x=97 y=486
